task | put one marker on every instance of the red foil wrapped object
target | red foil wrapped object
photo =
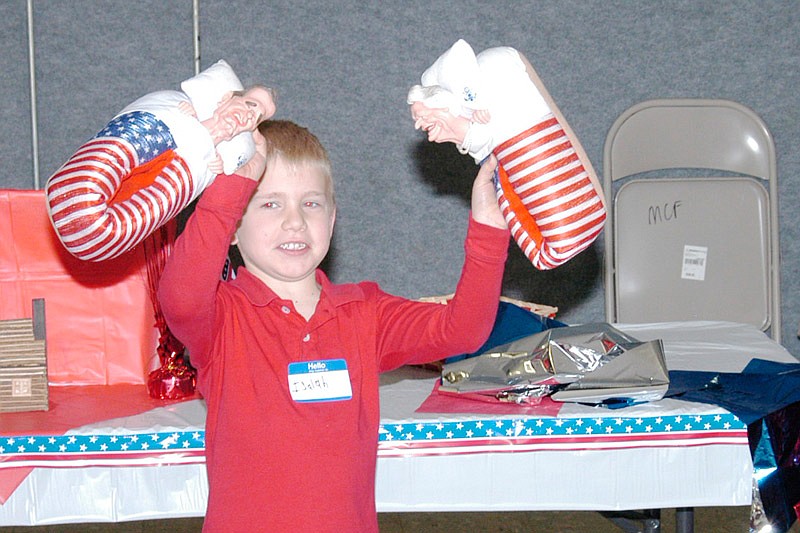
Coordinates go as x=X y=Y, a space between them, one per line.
x=175 y=378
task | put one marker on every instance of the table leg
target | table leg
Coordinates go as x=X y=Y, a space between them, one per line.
x=647 y=521
x=684 y=520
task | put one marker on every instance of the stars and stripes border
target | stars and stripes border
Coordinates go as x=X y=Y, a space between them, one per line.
x=144 y=449
x=581 y=433
x=396 y=439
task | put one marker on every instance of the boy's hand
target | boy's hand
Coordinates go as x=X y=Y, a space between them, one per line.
x=484 y=198
x=254 y=168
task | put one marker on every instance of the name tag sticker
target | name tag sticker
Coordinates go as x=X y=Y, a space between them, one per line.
x=320 y=381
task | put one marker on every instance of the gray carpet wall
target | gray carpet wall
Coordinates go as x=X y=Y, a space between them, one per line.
x=343 y=68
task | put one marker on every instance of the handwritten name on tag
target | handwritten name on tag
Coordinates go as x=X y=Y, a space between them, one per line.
x=326 y=380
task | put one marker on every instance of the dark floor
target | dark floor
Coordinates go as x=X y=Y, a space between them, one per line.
x=707 y=520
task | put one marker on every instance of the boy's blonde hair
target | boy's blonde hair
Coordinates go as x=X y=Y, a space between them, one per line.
x=296 y=145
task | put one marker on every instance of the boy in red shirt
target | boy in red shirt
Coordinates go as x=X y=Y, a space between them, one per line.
x=287 y=361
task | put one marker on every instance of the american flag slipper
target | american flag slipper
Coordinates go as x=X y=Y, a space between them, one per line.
x=146 y=165
x=546 y=186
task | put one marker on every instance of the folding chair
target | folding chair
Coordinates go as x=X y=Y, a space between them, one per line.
x=692 y=227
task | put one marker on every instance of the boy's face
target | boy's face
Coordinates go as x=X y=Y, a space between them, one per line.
x=286 y=229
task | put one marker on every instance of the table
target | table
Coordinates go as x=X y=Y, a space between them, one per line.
x=664 y=454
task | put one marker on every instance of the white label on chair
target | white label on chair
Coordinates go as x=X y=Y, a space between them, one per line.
x=694 y=262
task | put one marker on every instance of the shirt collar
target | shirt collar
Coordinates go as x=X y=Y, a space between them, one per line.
x=259 y=294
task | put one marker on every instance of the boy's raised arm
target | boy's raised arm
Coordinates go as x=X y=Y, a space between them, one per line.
x=466 y=322
x=188 y=286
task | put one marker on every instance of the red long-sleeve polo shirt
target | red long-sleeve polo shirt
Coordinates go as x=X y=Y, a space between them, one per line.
x=276 y=464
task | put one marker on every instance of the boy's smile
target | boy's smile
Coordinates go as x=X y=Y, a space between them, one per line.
x=294 y=246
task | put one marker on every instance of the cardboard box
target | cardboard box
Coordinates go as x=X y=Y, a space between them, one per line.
x=23 y=363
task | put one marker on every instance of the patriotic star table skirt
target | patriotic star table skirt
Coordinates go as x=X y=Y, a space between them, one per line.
x=664 y=454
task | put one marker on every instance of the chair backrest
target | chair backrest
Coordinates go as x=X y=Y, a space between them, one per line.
x=692 y=232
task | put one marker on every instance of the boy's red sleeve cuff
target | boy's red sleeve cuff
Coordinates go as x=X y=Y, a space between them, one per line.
x=228 y=191
x=487 y=242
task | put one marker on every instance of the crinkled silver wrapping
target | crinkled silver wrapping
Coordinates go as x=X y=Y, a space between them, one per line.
x=592 y=363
